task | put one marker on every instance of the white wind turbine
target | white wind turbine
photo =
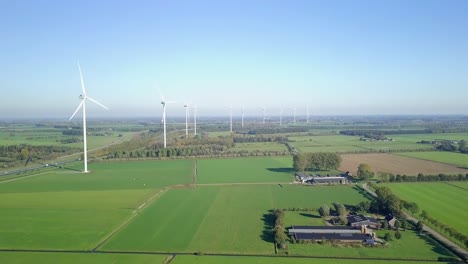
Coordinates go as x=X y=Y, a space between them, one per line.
x=263 y=110
x=230 y=118
x=164 y=102
x=281 y=116
x=294 y=108
x=243 y=116
x=187 y=113
x=195 y=111
x=82 y=105
x=307 y=114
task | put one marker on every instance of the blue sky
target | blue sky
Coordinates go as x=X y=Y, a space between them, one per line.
x=338 y=57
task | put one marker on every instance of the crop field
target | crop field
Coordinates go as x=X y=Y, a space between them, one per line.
x=442 y=201
x=410 y=246
x=382 y=162
x=259 y=146
x=436 y=136
x=228 y=219
x=63 y=209
x=457 y=159
x=346 y=144
x=245 y=170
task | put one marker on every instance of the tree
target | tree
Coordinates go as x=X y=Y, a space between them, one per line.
x=404 y=224
x=300 y=162
x=397 y=234
x=387 y=236
x=364 y=206
x=420 y=226
x=397 y=224
x=280 y=236
x=324 y=211
x=364 y=171
x=24 y=153
x=340 y=209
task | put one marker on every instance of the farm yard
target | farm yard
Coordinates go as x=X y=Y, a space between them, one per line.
x=390 y=163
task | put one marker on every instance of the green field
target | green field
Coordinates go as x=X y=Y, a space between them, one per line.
x=230 y=219
x=341 y=143
x=458 y=159
x=72 y=258
x=259 y=146
x=79 y=258
x=63 y=209
x=410 y=246
x=274 y=260
x=442 y=201
x=245 y=170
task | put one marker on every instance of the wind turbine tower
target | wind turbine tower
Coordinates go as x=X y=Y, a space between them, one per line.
x=242 y=116
x=307 y=114
x=281 y=116
x=230 y=117
x=82 y=105
x=186 y=106
x=264 y=110
x=163 y=103
x=195 y=111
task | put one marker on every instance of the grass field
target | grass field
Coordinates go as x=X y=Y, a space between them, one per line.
x=410 y=246
x=442 y=201
x=231 y=219
x=383 y=162
x=346 y=144
x=72 y=258
x=274 y=260
x=79 y=258
x=62 y=209
x=259 y=146
x=457 y=159
x=245 y=170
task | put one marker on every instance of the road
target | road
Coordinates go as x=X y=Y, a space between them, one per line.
x=448 y=243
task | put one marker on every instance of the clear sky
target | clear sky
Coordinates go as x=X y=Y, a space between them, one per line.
x=338 y=57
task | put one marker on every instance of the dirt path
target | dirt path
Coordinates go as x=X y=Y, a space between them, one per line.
x=448 y=243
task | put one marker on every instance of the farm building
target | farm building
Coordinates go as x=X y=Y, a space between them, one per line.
x=338 y=233
x=305 y=178
x=357 y=221
x=391 y=220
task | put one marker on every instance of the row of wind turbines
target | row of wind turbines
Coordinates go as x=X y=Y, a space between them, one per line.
x=84 y=97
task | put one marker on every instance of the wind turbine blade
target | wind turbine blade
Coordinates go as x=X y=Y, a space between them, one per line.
x=76 y=111
x=82 y=81
x=162 y=95
x=171 y=102
x=98 y=103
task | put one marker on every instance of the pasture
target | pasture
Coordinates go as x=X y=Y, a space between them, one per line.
x=227 y=219
x=352 y=144
x=383 y=162
x=245 y=170
x=259 y=146
x=410 y=246
x=457 y=159
x=63 y=209
x=442 y=201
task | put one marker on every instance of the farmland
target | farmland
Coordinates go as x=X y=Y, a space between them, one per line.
x=442 y=201
x=245 y=170
x=62 y=209
x=215 y=227
x=382 y=162
x=259 y=146
x=457 y=159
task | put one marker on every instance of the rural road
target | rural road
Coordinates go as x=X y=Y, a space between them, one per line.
x=448 y=243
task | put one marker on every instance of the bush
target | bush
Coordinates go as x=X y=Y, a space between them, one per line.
x=397 y=234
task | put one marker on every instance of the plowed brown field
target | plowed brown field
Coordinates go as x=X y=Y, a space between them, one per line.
x=381 y=162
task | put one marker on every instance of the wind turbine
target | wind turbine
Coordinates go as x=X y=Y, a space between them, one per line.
x=187 y=109
x=281 y=116
x=264 y=110
x=230 y=117
x=243 y=116
x=82 y=105
x=164 y=102
x=294 y=108
x=307 y=114
x=195 y=110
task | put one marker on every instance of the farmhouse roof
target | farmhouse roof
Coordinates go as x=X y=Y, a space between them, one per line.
x=347 y=237
x=354 y=219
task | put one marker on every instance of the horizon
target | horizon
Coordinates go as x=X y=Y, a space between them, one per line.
x=340 y=58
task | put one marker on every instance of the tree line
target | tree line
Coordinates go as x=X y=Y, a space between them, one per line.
x=450 y=231
x=316 y=161
x=389 y=177
x=259 y=138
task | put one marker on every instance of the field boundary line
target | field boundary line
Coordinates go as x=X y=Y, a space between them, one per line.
x=133 y=215
x=24 y=177
x=456 y=165
x=455 y=186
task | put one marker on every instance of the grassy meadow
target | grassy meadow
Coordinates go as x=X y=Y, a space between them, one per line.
x=442 y=201
x=259 y=146
x=227 y=219
x=245 y=170
x=63 y=209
